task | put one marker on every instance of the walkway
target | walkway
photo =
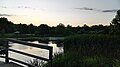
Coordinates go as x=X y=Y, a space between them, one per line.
x=11 y=64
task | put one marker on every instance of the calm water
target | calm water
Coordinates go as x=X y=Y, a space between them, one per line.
x=57 y=48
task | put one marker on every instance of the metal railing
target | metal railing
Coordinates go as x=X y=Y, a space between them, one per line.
x=7 y=58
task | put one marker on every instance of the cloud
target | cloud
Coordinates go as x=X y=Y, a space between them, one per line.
x=99 y=10
x=23 y=7
x=85 y=8
x=26 y=7
x=5 y=14
x=3 y=6
x=110 y=10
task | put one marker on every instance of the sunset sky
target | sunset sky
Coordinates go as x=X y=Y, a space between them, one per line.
x=53 y=12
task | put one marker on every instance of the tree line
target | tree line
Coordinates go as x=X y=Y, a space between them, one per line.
x=60 y=30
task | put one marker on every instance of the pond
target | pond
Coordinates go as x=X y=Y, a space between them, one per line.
x=57 y=48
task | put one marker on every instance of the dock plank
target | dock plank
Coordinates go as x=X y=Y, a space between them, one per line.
x=11 y=64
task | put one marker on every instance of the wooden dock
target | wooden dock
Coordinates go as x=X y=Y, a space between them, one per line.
x=11 y=64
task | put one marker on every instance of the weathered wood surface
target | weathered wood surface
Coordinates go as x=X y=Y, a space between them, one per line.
x=11 y=64
x=7 y=58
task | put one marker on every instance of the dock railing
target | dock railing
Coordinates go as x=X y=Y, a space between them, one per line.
x=7 y=49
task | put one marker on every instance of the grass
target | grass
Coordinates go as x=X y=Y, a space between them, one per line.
x=105 y=45
x=74 y=59
x=89 y=51
x=36 y=62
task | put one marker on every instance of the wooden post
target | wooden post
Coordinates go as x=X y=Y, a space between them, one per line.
x=50 y=56
x=6 y=51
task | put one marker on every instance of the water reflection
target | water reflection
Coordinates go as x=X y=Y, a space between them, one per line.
x=58 y=43
x=44 y=41
x=35 y=51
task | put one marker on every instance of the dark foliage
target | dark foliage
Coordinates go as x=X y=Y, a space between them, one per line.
x=89 y=50
x=90 y=45
x=45 y=30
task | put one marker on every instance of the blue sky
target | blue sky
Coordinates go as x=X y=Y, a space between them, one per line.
x=53 y=12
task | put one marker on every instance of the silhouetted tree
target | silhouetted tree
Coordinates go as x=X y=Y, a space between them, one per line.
x=43 y=30
x=85 y=29
x=115 y=24
x=99 y=29
x=22 y=28
x=32 y=29
x=60 y=30
x=6 y=26
x=69 y=30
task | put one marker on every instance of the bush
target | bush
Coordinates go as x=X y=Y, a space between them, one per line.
x=91 y=45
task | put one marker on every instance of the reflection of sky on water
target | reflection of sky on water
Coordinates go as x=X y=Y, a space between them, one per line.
x=55 y=48
x=32 y=50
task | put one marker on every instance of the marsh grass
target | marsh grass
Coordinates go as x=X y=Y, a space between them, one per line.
x=74 y=59
x=106 y=45
x=36 y=62
x=89 y=50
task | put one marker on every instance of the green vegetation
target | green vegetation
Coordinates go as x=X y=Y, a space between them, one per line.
x=75 y=60
x=107 y=45
x=115 y=25
x=89 y=51
x=36 y=62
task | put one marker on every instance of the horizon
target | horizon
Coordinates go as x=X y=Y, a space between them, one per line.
x=57 y=24
x=72 y=12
